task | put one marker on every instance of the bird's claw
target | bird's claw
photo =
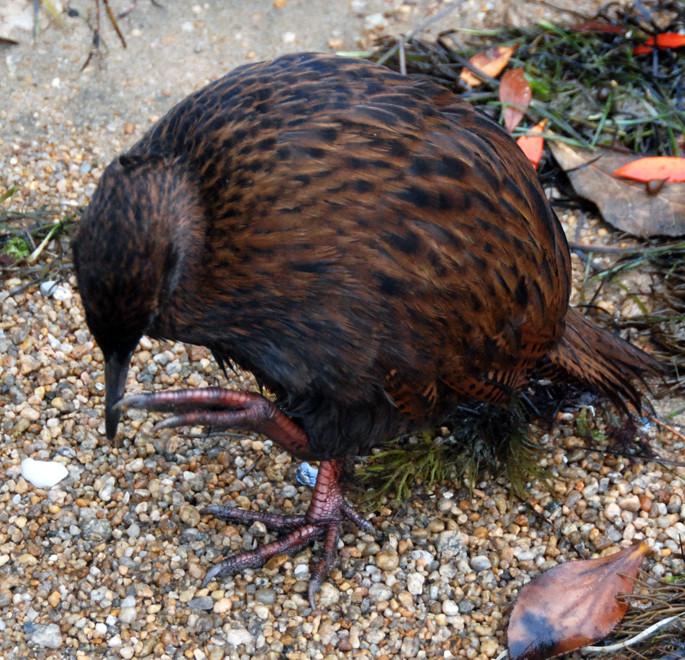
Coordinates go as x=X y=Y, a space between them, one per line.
x=221 y=408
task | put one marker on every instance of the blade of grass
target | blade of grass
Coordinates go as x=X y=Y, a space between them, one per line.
x=602 y=121
x=8 y=193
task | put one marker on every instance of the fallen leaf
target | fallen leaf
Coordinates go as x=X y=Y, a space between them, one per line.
x=572 y=605
x=663 y=41
x=515 y=94
x=656 y=168
x=623 y=203
x=532 y=143
x=490 y=62
x=667 y=40
x=599 y=26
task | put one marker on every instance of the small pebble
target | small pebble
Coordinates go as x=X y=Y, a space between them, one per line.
x=97 y=530
x=262 y=611
x=387 y=560
x=630 y=503
x=612 y=510
x=202 y=603
x=237 y=636
x=128 y=615
x=48 y=636
x=480 y=563
x=329 y=595
x=450 y=608
x=189 y=515
x=415 y=583
x=380 y=592
x=266 y=595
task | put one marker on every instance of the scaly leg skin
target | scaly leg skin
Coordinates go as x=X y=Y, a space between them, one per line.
x=253 y=412
x=214 y=406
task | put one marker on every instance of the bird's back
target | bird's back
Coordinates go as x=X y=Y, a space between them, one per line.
x=374 y=249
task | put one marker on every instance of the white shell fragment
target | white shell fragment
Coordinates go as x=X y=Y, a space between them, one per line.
x=51 y=289
x=43 y=474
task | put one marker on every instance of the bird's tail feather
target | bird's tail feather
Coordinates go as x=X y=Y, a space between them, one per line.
x=596 y=357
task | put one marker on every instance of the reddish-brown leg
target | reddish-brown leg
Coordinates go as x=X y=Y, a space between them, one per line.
x=240 y=410
x=213 y=406
x=322 y=520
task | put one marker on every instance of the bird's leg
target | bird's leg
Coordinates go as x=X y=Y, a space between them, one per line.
x=217 y=407
x=252 y=412
x=322 y=521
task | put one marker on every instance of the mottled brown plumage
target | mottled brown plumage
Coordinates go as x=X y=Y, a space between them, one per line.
x=371 y=247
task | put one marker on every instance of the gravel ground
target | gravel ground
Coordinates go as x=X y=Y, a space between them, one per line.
x=108 y=563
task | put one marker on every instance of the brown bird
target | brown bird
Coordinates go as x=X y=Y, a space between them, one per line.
x=373 y=249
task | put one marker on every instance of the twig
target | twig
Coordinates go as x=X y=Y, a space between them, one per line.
x=612 y=648
x=607 y=248
x=113 y=21
x=422 y=26
x=663 y=424
x=402 y=57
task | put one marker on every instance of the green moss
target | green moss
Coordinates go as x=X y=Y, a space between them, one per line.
x=17 y=248
x=482 y=438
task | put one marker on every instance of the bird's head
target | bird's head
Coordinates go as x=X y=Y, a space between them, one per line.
x=129 y=252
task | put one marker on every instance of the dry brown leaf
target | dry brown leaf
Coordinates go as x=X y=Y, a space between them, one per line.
x=532 y=143
x=514 y=90
x=572 y=605
x=655 y=168
x=627 y=205
x=491 y=62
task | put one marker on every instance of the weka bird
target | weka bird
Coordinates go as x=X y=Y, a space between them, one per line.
x=369 y=246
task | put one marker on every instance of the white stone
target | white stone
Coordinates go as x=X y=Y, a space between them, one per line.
x=238 y=636
x=47 y=635
x=415 y=583
x=127 y=615
x=450 y=608
x=480 y=563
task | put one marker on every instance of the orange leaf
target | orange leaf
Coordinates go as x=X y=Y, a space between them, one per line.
x=667 y=40
x=572 y=605
x=514 y=90
x=532 y=143
x=490 y=62
x=599 y=26
x=642 y=50
x=664 y=168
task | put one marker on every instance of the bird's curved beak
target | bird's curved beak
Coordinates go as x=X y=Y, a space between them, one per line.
x=116 y=369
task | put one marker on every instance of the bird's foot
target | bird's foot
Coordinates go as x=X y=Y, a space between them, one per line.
x=322 y=521
x=220 y=408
